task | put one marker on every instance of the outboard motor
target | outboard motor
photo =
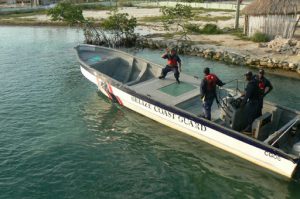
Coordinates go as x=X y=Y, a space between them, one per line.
x=232 y=113
x=296 y=149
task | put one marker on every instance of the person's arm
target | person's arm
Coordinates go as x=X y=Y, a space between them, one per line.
x=202 y=89
x=219 y=82
x=249 y=91
x=179 y=64
x=165 y=55
x=268 y=88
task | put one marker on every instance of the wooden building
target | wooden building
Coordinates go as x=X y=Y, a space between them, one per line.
x=272 y=17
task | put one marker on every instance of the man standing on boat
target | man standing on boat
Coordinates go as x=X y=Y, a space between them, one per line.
x=173 y=64
x=208 y=91
x=251 y=98
x=265 y=87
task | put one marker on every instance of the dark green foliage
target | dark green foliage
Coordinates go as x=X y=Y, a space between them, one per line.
x=260 y=37
x=125 y=3
x=178 y=12
x=118 y=26
x=197 y=1
x=193 y=28
x=94 y=7
x=178 y=16
x=121 y=27
x=210 y=29
x=121 y=23
x=68 y=12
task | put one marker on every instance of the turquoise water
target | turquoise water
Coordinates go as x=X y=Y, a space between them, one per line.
x=60 y=138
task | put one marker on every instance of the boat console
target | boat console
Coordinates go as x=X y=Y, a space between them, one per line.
x=236 y=117
x=232 y=113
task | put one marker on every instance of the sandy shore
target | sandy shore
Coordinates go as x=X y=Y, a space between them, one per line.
x=230 y=42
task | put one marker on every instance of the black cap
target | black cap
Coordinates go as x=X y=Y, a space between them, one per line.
x=206 y=70
x=261 y=71
x=173 y=49
x=248 y=74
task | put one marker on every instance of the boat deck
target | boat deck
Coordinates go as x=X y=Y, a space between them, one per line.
x=185 y=95
x=167 y=90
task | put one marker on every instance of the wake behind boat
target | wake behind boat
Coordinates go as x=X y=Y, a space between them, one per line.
x=133 y=82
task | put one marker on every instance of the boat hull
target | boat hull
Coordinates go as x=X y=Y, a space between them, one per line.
x=212 y=134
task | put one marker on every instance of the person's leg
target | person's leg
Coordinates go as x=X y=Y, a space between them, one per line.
x=207 y=108
x=176 y=74
x=252 y=115
x=260 y=106
x=164 y=72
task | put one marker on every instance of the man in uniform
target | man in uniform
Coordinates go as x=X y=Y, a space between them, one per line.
x=208 y=91
x=265 y=87
x=251 y=98
x=173 y=64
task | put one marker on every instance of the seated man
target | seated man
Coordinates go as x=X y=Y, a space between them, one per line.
x=173 y=64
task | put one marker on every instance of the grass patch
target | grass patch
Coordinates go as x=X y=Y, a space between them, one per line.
x=27 y=14
x=238 y=33
x=211 y=10
x=211 y=18
x=210 y=29
x=260 y=37
x=193 y=28
x=124 y=3
x=169 y=35
x=152 y=19
x=95 y=7
x=31 y=23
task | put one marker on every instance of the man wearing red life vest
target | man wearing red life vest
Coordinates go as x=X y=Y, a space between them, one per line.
x=265 y=87
x=208 y=91
x=173 y=64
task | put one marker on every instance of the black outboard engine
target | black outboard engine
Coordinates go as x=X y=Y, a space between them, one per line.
x=295 y=131
x=233 y=114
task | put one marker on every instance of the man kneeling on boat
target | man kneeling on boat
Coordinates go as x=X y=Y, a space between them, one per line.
x=208 y=91
x=173 y=64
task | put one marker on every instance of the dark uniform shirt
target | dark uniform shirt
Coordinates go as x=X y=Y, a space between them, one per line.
x=263 y=83
x=252 y=92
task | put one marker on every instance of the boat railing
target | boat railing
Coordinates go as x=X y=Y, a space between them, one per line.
x=277 y=135
x=233 y=88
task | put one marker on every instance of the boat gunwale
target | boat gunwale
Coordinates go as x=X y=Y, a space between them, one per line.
x=225 y=130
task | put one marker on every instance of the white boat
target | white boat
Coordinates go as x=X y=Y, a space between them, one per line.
x=133 y=82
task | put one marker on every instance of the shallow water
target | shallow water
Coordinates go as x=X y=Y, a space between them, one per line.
x=60 y=138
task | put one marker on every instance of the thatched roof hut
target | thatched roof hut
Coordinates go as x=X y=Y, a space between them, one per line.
x=272 y=7
x=272 y=17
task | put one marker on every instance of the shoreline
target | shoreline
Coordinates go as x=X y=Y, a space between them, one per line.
x=226 y=48
x=277 y=71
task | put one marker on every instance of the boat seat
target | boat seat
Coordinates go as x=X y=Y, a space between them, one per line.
x=142 y=72
x=262 y=126
x=130 y=67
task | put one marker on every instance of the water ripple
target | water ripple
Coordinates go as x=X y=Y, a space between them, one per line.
x=59 y=138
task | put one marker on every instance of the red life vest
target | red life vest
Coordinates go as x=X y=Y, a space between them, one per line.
x=211 y=81
x=262 y=85
x=172 y=61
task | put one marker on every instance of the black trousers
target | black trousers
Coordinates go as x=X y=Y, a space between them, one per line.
x=167 y=69
x=253 y=113
x=260 y=105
